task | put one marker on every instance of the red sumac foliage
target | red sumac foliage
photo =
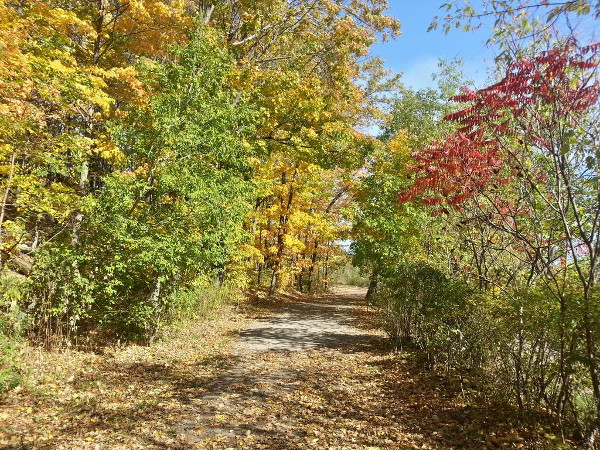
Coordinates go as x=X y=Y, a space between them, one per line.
x=536 y=94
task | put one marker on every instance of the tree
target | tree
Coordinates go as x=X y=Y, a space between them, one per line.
x=526 y=18
x=119 y=142
x=299 y=62
x=174 y=210
x=387 y=233
x=524 y=154
x=43 y=89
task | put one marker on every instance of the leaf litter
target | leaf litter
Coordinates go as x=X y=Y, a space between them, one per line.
x=331 y=382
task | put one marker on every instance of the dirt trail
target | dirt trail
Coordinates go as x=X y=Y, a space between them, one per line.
x=242 y=407
x=319 y=322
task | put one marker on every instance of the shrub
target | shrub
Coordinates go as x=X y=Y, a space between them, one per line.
x=420 y=306
x=523 y=338
x=204 y=299
x=13 y=324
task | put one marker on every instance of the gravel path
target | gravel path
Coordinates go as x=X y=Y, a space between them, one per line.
x=321 y=322
x=238 y=408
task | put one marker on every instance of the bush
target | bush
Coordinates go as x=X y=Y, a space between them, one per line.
x=97 y=298
x=541 y=359
x=204 y=299
x=420 y=306
x=521 y=338
x=13 y=324
x=117 y=279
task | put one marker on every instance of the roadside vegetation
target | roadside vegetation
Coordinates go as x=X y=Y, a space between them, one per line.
x=481 y=230
x=160 y=161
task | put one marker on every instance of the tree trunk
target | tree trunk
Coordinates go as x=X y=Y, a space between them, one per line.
x=79 y=216
x=519 y=362
x=326 y=284
x=155 y=302
x=283 y=221
x=259 y=274
x=313 y=264
x=372 y=290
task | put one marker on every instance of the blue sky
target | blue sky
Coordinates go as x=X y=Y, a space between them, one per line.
x=416 y=52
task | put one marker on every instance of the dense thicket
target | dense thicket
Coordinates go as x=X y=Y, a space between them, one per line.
x=482 y=231
x=152 y=147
